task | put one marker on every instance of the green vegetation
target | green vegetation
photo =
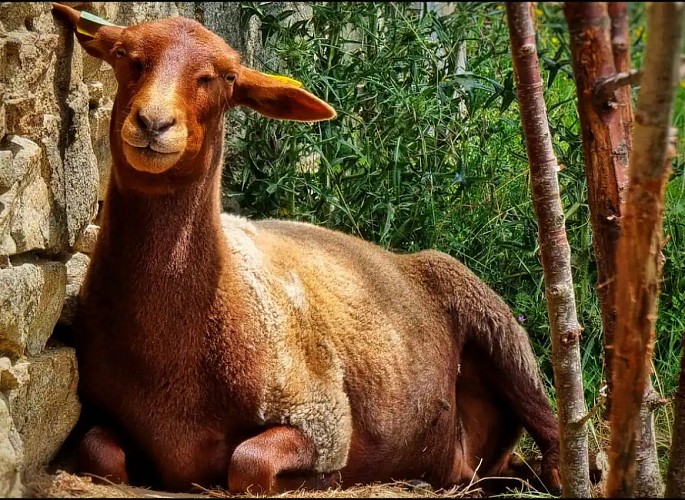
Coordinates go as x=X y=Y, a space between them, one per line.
x=428 y=154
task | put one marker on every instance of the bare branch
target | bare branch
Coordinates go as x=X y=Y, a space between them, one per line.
x=605 y=88
x=593 y=411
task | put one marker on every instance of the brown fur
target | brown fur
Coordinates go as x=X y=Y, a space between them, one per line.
x=224 y=352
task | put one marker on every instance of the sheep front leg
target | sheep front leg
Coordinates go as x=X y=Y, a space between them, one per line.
x=279 y=459
x=101 y=453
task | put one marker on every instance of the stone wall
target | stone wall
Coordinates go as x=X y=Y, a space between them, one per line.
x=55 y=104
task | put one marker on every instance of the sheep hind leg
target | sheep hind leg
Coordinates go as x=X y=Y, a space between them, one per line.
x=279 y=459
x=101 y=454
x=487 y=430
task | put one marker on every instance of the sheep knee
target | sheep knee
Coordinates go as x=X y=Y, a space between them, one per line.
x=256 y=463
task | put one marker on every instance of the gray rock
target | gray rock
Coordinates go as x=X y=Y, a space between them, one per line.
x=99 y=134
x=3 y=121
x=3 y=117
x=80 y=167
x=10 y=478
x=6 y=170
x=8 y=379
x=53 y=151
x=44 y=406
x=77 y=266
x=19 y=157
x=86 y=241
x=14 y=15
x=31 y=298
x=27 y=220
x=139 y=12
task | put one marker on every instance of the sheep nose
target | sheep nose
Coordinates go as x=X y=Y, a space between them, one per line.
x=155 y=123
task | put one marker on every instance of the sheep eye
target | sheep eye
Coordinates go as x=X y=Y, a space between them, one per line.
x=120 y=53
x=229 y=77
x=205 y=79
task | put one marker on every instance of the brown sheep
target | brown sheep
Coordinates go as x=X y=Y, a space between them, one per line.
x=270 y=354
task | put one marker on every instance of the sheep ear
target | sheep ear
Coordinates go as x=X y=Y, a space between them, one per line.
x=95 y=35
x=278 y=97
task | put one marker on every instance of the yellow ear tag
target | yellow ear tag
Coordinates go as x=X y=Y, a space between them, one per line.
x=285 y=79
x=88 y=24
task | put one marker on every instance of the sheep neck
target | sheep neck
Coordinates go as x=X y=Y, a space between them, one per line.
x=168 y=234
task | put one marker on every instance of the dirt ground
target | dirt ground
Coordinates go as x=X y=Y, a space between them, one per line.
x=59 y=482
x=65 y=485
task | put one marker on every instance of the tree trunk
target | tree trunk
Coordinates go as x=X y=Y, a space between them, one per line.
x=554 y=251
x=639 y=246
x=605 y=148
x=675 y=482
x=620 y=47
x=648 y=481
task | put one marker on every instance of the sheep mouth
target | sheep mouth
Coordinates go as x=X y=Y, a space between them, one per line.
x=148 y=159
x=152 y=149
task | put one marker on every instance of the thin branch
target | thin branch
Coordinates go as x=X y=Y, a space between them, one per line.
x=593 y=411
x=605 y=88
